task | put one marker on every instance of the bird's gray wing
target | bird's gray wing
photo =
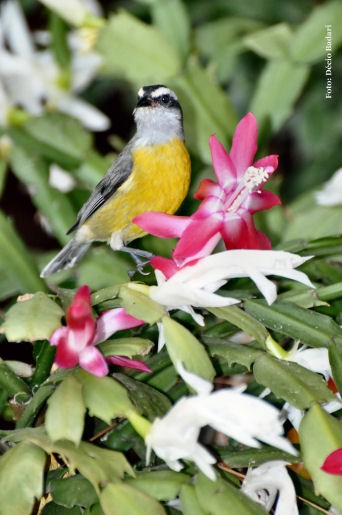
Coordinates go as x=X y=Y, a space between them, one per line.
x=116 y=175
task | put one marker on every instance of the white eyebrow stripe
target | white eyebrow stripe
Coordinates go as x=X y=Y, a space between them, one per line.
x=163 y=91
x=141 y=92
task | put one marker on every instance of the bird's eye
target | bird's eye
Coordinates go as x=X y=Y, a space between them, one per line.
x=165 y=99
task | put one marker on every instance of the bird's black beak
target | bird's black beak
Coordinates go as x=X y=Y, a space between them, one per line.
x=146 y=101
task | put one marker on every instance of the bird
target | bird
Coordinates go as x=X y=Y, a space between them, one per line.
x=151 y=173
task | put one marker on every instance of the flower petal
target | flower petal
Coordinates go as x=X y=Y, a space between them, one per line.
x=261 y=200
x=198 y=235
x=122 y=361
x=244 y=144
x=208 y=187
x=270 y=161
x=333 y=463
x=66 y=355
x=223 y=164
x=93 y=361
x=113 y=320
x=162 y=224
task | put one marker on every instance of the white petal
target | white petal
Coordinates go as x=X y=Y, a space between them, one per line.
x=200 y=385
x=270 y=479
x=331 y=193
x=16 y=30
x=316 y=360
x=73 y=11
x=88 y=115
x=61 y=179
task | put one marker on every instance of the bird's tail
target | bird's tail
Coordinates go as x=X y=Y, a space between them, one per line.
x=66 y=258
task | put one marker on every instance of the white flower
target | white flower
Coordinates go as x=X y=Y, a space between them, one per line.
x=269 y=481
x=75 y=12
x=61 y=179
x=244 y=417
x=31 y=79
x=331 y=193
x=194 y=285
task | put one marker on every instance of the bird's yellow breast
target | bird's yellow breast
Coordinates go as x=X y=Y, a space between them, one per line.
x=159 y=182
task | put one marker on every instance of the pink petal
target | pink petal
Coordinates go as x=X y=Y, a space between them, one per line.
x=208 y=207
x=239 y=232
x=333 y=463
x=122 y=361
x=267 y=162
x=113 y=320
x=244 y=144
x=196 y=237
x=92 y=361
x=259 y=201
x=161 y=224
x=207 y=188
x=223 y=164
x=59 y=334
x=80 y=307
x=167 y=266
x=66 y=356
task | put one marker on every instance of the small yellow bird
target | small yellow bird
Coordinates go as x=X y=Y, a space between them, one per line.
x=152 y=173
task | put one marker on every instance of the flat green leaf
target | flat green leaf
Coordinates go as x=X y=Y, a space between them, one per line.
x=310 y=327
x=272 y=42
x=309 y=43
x=12 y=384
x=189 y=501
x=292 y=382
x=279 y=85
x=183 y=347
x=122 y=499
x=104 y=397
x=217 y=497
x=236 y=353
x=110 y=268
x=16 y=261
x=72 y=491
x=61 y=132
x=33 y=171
x=335 y=359
x=32 y=319
x=314 y=221
x=247 y=323
x=196 y=89
x=244 y=458
x=320 y=434
x=171 y=18
x=163 y=485
x=21 y=478
x=33 y=408
x=128 y=347
x=140 y=306
x=142 y=53
x=52 y=508
x=148 y=400
x=65 y=414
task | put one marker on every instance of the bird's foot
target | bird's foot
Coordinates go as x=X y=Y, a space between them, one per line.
x=140 y=257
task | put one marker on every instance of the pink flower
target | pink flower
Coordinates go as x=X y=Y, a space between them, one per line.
x=76 y=343
x=227 y=206
x=333 y=463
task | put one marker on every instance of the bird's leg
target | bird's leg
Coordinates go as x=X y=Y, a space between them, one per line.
x=141 y=258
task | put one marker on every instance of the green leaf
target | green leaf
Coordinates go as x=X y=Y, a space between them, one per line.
x=243 y=321
x=140 y=306
x=148 y=400
x=66 y=410
x=171 y=18
x=196 y=89
x=163 y=485
x=279 y=85
x=142 y=54
x=72 y=491
x=54 y=205
x=12 y=384
x=183 y=347
x=104 y=261
x=244 y=458
x=33 y=408
x=16 y=261
x=126 y=347
x=335 y=359
x=32 y=319
x=314 y=221
x=320 y=434
x=309 y=43
x=292 y=382
x=272 y=42
x=217 y=497
x=189 y=501
x=236 y=353
x=122 y=499
x=310 y=327
x=52 y=508
x=21 y=478
x=104 y=397
x=61 y=132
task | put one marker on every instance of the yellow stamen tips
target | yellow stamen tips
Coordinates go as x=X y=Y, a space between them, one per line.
x=141 y=288
x=275 y=349
x=141 y=425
